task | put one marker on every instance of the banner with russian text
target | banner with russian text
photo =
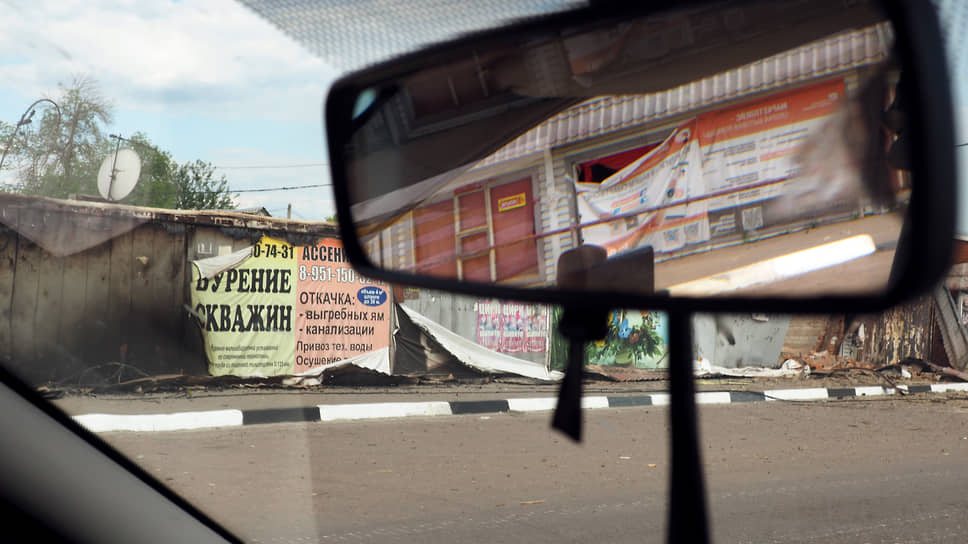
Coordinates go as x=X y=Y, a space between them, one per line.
x=338 y=313
x=286 y=309
x=673 y=195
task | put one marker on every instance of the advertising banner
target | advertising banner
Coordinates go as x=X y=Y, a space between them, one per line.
x=659 y=186
x=716 y=161
x=287 y=309
x=512 y=327
x=760 y=141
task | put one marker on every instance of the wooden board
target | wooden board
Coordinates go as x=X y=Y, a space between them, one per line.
x=23 y=307
x=142 y=322
x=94 y=341
x=8 y=259
x=73 y=319
x=118 y=315
x=167 y=277
x=51 y=352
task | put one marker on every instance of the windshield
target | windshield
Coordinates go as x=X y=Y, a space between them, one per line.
x=171 y=275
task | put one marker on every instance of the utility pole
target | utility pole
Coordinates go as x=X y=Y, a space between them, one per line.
x=289 y=211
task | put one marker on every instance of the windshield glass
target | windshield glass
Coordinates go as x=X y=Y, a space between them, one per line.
x=171 y=275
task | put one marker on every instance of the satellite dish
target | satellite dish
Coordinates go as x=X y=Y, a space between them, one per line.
x=118 y=174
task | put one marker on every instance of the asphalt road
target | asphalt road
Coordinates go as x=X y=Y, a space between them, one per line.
x=889 y=470
x=867 y=275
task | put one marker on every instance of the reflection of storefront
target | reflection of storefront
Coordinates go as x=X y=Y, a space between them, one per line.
x=701 y=163
x=483 y=232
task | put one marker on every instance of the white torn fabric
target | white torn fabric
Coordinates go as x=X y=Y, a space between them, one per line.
x=478 y=357
x=378 y=360
x=789 y=368
x=213 y=266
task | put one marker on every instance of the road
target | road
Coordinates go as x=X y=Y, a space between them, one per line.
x=866 y=275
x=889 y=470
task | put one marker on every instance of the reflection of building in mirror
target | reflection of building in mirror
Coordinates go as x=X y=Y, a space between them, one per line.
x=737 y=158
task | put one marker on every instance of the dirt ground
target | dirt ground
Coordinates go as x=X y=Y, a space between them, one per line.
x=443 y=389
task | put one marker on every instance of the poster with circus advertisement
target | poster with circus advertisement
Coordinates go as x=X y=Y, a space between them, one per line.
x=511 y=327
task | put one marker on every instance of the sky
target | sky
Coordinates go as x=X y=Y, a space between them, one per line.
x=211 y=80
x=204 y=80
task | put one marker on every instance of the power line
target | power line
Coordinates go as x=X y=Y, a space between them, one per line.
x=261 y=190
x=269 y=166
x=267 y=189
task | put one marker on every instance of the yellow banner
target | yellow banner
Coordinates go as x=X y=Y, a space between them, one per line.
x=288 y=309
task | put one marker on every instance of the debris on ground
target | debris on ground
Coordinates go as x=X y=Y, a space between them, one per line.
x=624 y=373
x=820 y=366
x=938 y=369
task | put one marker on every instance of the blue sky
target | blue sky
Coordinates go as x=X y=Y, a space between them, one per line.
x=204 y=80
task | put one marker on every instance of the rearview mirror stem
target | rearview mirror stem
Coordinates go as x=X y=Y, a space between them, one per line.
x=687 y=490
x=687 y=519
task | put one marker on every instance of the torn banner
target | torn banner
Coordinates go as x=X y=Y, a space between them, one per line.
x=275 y=309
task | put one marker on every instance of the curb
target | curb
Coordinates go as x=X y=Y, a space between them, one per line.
x=181 y=421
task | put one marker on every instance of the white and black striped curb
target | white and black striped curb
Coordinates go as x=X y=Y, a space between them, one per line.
x=344 y=412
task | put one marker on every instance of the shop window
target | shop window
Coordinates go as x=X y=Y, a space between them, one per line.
x=598 y=170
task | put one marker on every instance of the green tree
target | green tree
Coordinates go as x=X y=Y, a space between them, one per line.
x=155 y=187
x=59 y=155
x=198 y=188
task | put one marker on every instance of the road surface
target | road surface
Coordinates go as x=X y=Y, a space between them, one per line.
x=890 y=470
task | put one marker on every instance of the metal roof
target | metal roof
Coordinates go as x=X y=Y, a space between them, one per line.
x=65 y=227
x=611 y=114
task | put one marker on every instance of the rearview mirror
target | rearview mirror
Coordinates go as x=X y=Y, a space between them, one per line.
x=759 y=151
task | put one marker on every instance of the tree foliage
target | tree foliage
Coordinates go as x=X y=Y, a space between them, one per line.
x=199 y=189
x=60 y=154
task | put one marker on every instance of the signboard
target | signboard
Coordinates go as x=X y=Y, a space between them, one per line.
x=512 y=202
x=289 y=309
x=339 y=314
x=715 y=162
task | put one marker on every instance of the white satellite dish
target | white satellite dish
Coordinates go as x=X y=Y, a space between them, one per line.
x=118 y=174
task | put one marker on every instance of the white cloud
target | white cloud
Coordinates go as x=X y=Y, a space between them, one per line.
x=213 y=58
x=198 y=76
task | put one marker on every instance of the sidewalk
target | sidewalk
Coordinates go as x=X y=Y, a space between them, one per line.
x=157 y=413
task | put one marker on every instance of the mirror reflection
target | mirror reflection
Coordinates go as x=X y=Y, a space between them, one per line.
x=744 y=148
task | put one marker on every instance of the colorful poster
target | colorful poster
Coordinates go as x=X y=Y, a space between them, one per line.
x=338 y=314
x=247 y=313
x=651 y=201
x=512 y=316
x=760 y=141
x=284 y=309
x=637 y=339
x=489 y=318
x=716 y=161
x=512 y=327
x=537 y=333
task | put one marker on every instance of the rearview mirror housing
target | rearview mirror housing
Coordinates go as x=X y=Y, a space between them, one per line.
x=666 y=134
